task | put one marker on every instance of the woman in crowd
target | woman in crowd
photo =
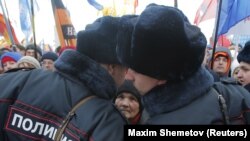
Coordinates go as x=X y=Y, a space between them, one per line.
x=128 y=101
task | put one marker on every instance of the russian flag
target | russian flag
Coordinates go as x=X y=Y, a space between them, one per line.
x=231 y=13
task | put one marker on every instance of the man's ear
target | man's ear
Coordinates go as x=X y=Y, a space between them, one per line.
x=109 y=68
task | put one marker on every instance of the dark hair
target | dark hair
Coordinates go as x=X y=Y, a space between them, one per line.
x=33 y=47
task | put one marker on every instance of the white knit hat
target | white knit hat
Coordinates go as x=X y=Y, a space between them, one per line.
x=31 y=60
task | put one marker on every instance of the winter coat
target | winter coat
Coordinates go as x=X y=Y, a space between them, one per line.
x=195 y=102
x=34 y=103
x=247 y=87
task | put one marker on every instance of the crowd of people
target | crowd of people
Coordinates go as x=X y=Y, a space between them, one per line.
x=29 y=57
x=151 y=68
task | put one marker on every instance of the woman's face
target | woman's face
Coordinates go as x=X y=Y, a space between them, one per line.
x=128 y=105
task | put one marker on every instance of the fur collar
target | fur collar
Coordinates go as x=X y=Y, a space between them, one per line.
x=88 y=72
x=169 y=97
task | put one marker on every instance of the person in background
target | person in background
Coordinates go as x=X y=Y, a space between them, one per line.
x=165 y=66
x=205 y=63
x=48 y=59
x=128 y=101
x=27 y=62
x=35 y=98
x=222 y=61
x=244 y=67
x=20 y=49
x=31 y=49
x=207 y=56
x=235 y=72
x=2 y=51
x=9 y=60
x=235 y=69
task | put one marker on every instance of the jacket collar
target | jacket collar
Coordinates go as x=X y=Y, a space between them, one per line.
x=88 y=72
x=169 y=97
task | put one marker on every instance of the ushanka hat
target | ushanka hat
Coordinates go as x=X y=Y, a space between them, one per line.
x=98 y=40
x=124 y=36
x=165 y=45
x=244 y=55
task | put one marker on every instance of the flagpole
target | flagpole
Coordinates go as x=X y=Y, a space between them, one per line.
x=216 y=32
x=33 y=27
x=7 y=23
x=176 y=3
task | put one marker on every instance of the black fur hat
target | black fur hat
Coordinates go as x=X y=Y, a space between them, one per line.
x=124 y=36
x=98 y=40
x=165 y=45
x=244 y=54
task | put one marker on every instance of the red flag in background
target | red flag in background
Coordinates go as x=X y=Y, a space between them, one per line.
x=206 y=11
x=136 y=3
x=4 y=31
x=223 y=41
x=65 y=29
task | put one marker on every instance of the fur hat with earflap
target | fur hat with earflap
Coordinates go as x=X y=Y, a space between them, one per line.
x=124 y=34
x=244 y=55
x=98 y=40
x=170 y=48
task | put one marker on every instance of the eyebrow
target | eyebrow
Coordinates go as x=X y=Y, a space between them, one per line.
x=244 y=67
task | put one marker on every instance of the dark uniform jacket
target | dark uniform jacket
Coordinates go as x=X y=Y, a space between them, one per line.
x=195 y=102
x=34 y=103
x=247 y=87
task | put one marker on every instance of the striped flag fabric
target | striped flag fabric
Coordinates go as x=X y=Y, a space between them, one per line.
x=206 y=11
x=4 y=31
x=65 y=29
